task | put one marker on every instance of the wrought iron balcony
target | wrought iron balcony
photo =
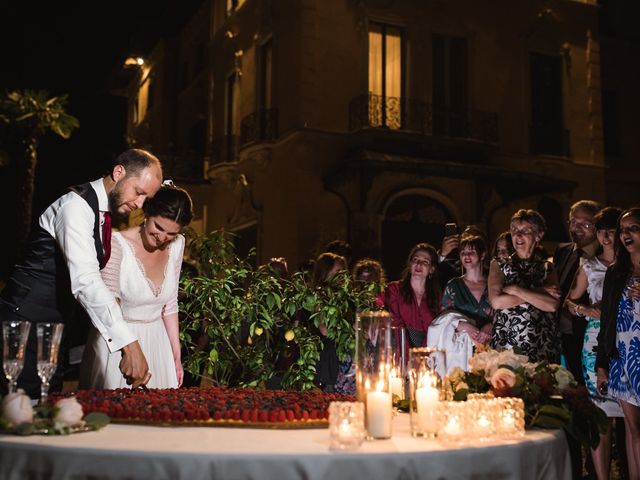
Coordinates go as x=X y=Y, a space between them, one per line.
x=406 y=114
x=549 y=139
x=260 y=126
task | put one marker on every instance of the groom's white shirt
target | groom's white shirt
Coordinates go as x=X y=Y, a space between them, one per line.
x=70 y=221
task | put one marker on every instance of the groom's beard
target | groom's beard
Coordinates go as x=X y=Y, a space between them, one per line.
x=115 y=200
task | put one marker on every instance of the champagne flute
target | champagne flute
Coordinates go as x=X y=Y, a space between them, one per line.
x=49 y=335
x=14 y=340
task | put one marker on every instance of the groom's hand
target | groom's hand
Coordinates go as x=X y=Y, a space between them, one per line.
x=134 y=365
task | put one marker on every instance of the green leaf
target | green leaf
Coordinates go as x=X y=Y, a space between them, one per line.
x=97 y=420
x=24 y=429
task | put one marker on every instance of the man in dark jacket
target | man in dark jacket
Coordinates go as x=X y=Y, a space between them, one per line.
x=567 y=260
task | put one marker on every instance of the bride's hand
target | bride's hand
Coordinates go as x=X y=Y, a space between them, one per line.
x=179 y=371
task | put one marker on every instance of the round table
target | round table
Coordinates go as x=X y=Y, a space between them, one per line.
x=144 y=452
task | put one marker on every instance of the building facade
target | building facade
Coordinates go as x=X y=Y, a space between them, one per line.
x=297 y=122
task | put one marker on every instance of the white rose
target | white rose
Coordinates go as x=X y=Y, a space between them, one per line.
x=462 y=386
x=69 y=412
x=563 y=377
x=530 y=369
x=17 y=409
x=456 y=374
x=480 y=361
x=507 y=357
x=503 y=378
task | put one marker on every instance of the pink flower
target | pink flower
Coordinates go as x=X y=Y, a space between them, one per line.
x=16 y=408
x=503 y=378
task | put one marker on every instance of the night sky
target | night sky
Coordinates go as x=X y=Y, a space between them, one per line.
x=72 y=49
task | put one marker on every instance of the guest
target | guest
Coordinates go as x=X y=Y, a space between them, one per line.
x=523 y=292
x=590 y=278
x=340 y=247
x=327 y=265
x=503 y=246
x=143 y=273
x=370 y=272
x=63 y=260
x=566 y=260
x=414 y=300
x=618 y=357
x=468 y=293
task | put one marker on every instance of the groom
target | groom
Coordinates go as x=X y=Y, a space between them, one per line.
x=67 y=249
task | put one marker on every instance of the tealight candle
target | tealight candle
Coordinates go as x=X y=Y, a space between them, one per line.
x=379 y=413
x=452 y=427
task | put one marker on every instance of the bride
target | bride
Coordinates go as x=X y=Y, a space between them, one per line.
x=143 y=272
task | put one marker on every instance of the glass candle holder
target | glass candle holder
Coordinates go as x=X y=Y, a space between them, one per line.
x=509 y=417
x=346 y=425
x=426 y=366
x=374 y=361
x=454 y=422
x=481 y=418
x=399 y=360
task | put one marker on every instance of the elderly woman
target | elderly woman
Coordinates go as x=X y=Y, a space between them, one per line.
x=414 y=300
x=523 y=291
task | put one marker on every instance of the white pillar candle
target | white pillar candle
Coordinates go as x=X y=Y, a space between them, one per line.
x=396 y=384
x=379 y=414
x=427 y=402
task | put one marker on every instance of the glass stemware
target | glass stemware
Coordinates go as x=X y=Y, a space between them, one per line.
x=49 y=335
x=14 y=340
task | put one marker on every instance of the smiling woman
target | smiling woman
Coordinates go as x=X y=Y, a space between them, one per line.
x=523 y=292
x=144 y=272
x=414 y=300
x=618 y=358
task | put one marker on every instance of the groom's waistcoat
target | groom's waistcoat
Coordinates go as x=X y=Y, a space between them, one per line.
x=39 y=288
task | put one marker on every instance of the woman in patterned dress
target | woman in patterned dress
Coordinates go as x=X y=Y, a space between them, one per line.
x=618 y=358
x=590 y=278
x=523 y=291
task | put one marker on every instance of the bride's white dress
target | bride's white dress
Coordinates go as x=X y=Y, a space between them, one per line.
x=143 y=305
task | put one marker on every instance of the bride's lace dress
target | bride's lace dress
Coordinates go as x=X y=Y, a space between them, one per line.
x=143 y=305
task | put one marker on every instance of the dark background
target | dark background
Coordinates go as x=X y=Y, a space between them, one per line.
x=72 y=48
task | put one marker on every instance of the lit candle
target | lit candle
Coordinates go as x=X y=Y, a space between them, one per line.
x=452 y=427
x=483 y=422
x=396 y=384
x=379 y=413
x=508 y=420
x=427 y=397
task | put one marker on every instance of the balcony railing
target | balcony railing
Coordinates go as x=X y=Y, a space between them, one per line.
x=406 y=114
x=260 y=126
x=549 y=139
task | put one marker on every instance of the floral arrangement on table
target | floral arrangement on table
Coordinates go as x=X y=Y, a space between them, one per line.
x=211 y=405
x=65 y=416
x=551 y=396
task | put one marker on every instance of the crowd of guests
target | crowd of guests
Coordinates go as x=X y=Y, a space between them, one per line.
x=579 y=306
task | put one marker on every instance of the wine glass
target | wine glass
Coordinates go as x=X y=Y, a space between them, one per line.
x=49 y=335
x=14 y=340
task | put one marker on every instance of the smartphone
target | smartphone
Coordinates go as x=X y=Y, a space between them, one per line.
x=451 y=229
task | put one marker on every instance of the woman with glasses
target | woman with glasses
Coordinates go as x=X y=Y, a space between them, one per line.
x=590 y=278
x=523 y=291
x=414 y=300
x=618 y=357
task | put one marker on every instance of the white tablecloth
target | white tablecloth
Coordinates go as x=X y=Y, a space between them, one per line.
x=142 y=453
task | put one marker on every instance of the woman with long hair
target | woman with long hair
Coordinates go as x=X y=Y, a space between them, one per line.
x=414 y=300
x=590 y=278
x=144 y=272
x=618 y=357
x=468 y=293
